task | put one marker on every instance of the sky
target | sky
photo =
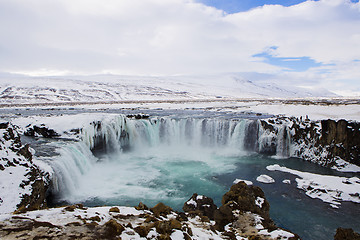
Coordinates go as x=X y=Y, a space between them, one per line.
x=313 y=44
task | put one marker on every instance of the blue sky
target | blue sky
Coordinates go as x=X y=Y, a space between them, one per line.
x=234 y=6
x=312 y=43
x=297 y=64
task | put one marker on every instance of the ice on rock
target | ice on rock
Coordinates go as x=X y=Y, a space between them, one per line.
x=286 y=181
x=241 y=180
x=265 y=179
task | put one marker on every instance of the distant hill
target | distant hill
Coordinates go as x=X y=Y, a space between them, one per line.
x=23 y=89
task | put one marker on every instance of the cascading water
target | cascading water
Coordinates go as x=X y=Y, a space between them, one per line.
x=283 y=143
x=122 y=158
x=122 y=161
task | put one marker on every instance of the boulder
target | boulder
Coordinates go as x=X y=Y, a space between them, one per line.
x=161 y=209
x=346 y=234
x=244 y=198
x=201 y=205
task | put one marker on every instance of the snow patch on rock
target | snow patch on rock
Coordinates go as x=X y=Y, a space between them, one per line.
x=265 y=179
x=241 y=180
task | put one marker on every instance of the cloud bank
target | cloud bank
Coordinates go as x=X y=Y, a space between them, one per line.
x=173 y=37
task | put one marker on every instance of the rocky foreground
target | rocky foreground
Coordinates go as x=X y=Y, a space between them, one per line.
x=244 y=214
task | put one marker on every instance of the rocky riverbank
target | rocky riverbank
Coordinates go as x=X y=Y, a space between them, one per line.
x=23 y=185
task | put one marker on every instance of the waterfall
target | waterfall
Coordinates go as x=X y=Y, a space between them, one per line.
x=283 y=142
x=74 y=160
x=111 y=140
x=124 y=134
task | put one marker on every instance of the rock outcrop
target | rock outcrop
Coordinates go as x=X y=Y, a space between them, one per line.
x=346 y=234
x=245 y=199
x=328 y=142
x=34 y=130
x=243 y=215
x=200 y=205
x=23 y=184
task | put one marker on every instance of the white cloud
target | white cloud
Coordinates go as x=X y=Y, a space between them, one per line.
x=176 y=37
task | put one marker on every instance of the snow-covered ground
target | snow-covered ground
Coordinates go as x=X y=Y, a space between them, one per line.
x=59 y=221
x=228 y=92
x=22 y=89
x=330 y=189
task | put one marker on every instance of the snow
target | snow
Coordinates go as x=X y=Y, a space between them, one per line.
x=277 y=234
x=62 y=124
x=343 y=166
x=259 y=201
x=313 y=111
x=265 y=179
x=286 y=181
x=199 y=197
x=191 y=202
x=11 y=193
x=177 y=235
x=114 y=88
x=13 y=174
x=227 y=91
x=330 y=189
x=245 y=181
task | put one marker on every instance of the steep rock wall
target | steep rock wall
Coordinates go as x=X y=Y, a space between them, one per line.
x=23 y=184
x=326 y=142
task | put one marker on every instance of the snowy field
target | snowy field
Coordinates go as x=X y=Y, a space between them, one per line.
x=20 y=89
x=227 y=92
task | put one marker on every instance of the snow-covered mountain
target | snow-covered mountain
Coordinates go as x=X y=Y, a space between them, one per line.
x=21 y=89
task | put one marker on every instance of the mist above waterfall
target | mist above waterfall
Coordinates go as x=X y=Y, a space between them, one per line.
x=123 y=160
x=152 y=159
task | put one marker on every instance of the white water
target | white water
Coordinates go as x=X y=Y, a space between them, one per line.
x=151 y=159
x=167 y=159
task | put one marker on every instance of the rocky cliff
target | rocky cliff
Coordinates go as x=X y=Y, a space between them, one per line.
x=327 y=142
x=23 y=185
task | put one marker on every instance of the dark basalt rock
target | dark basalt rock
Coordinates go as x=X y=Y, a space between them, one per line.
x=4 y=125
x=342 y=138
x=43 y=131
x=138 y=116
x=321 y=142
x=346 y=234
x=203 y=206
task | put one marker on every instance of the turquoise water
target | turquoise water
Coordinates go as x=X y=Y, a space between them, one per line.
x=290 y=208
x=167 y=160
x=171 y=175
